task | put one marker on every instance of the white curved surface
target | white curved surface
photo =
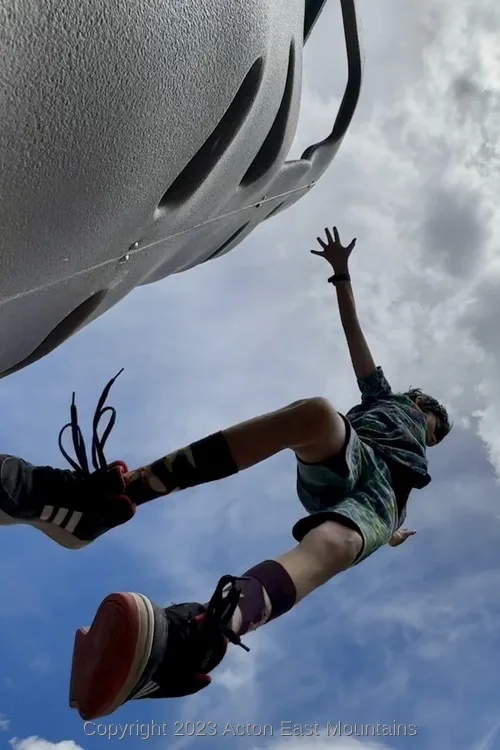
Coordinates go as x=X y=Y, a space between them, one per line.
x=103 y=104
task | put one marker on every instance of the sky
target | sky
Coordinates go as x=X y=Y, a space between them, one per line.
x=409 y=638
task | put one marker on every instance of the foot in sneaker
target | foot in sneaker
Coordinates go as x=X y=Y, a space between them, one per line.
x=71 y=507
x=135 y=649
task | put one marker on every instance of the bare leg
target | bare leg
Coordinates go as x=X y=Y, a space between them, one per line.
x=311 y=427
x=323 y=553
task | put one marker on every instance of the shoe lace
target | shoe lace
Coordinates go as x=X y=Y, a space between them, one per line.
x=221 y=609
x=81 y=465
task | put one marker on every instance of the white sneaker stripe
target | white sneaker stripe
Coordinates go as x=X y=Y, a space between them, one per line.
x=46 y=512
x=73 y=521
x=60 y=516
x=149 y=687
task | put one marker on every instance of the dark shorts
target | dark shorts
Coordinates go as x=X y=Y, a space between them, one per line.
x=354 y=489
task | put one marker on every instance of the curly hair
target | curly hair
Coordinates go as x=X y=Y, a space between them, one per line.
x=430 y=404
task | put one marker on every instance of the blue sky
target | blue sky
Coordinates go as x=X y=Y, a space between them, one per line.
x=411 y=635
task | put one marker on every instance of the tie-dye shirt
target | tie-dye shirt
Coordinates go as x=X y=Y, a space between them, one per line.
x=393 y=426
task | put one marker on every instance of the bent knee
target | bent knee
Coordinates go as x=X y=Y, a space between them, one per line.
x=323 y=429
x=318 y=414
x=337 y=545
x=318 y=407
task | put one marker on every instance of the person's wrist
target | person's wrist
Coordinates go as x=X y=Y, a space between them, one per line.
x=341 y=269
x=340 y=276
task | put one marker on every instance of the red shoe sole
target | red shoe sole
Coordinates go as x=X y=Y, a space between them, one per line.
x=120 y=465
x=110 y=657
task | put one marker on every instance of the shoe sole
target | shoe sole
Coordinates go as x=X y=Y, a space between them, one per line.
x=56 y=533
x=110 y=656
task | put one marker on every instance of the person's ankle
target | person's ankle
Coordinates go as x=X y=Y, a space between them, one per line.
x=267 y=592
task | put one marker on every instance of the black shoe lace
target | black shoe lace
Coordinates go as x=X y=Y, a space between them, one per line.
x=221 y=609
x=81 y=465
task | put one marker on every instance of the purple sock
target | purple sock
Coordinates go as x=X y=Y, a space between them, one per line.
x=279 y=587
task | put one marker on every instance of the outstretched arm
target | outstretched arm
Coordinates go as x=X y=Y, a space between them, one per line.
x=338 y=257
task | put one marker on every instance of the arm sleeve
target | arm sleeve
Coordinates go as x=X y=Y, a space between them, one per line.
x=402 y=519
x=374 y=385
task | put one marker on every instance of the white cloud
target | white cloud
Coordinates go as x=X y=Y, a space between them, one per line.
x=4 y=723
x=41 y=664
x=322 y=742
x=37 y=743
x=486 y=742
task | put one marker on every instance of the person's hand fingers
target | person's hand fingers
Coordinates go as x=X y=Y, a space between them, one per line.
x=324 y=245
x=350 y=248
x=336 y=235
x=328 y=236
x=317 y=252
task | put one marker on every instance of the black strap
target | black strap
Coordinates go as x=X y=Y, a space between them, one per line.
x=339 y=277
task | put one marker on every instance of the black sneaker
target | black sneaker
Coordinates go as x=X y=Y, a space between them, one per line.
x=71 y=507
x=135 y=649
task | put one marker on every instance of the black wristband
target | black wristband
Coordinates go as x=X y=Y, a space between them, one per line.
x=339 y=277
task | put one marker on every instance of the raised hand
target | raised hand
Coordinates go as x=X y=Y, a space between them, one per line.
x=334 y=252
x=400 y=536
